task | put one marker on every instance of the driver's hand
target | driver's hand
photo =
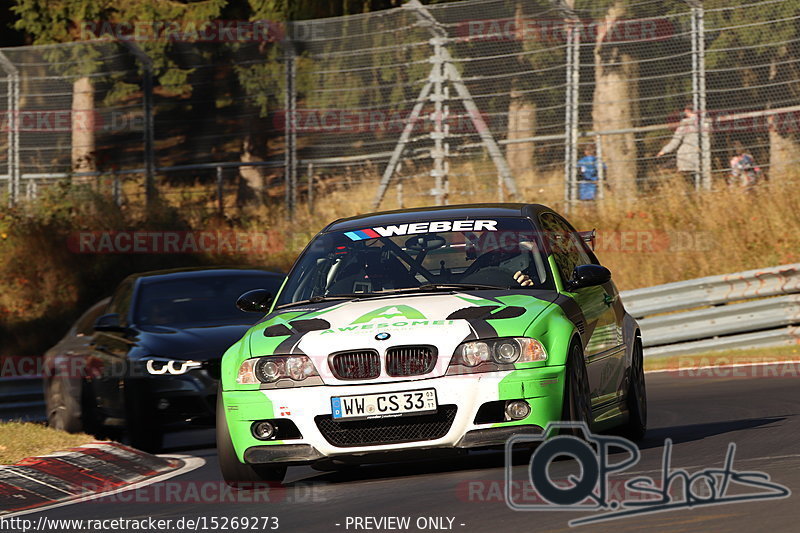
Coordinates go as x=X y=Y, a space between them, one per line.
x=523 y=279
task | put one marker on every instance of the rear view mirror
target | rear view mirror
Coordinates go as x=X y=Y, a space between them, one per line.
x=255 y=301
x=588 y=276
x=425 y=243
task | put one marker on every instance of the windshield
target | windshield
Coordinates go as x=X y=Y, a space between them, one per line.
x=198 y=300
x=478 y=253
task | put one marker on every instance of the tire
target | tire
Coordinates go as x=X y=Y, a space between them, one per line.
x=636 y=397
x=63 y=409
x=237 y=474
x=577 y=400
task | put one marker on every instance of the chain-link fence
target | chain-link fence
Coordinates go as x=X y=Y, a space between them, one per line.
x=479 y=99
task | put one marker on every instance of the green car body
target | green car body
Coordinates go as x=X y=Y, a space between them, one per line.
x=457 y=351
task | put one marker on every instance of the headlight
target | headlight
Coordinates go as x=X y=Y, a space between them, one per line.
x=493 y=352
x=276 y=367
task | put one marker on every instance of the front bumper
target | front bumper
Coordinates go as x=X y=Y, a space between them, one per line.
x=455 y=426
x=178 y=402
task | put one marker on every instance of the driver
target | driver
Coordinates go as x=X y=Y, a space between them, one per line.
x=518 y=263
x=523 y=277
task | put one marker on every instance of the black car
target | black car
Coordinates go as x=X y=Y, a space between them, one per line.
x=146 y=360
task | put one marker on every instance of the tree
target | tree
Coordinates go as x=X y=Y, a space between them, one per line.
x=67 y=21
x=614 y=102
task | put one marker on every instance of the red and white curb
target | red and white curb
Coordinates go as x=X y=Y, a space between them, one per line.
x=78 y=474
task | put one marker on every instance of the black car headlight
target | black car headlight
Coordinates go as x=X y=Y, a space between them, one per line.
x=496 y=354
x=273 y=368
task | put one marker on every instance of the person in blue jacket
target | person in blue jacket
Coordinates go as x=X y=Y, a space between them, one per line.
x=587 y=181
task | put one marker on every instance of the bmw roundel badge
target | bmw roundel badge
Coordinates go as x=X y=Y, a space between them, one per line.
x=382 y=336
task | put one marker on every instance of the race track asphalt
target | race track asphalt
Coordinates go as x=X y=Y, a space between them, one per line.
x=701 y=414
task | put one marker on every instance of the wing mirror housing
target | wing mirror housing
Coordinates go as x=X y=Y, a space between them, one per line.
x=109 y=322
x=589 y=237
x=255 y=301
x=588 y=276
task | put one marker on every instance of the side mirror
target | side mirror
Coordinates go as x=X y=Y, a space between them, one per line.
x=255 y=301
x=588 y=276
x=108 y=322
x=589 y=237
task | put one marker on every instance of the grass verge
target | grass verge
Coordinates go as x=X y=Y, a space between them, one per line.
x=19 y=440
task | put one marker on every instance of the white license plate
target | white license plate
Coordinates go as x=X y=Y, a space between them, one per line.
x=384 y=405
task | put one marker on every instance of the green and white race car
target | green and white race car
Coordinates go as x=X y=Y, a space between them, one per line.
x=438 y=328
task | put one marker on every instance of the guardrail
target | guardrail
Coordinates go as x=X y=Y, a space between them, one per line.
x=21 y=398
x=753 y=309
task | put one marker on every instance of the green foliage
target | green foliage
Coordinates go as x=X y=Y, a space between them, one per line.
x=772 y=21
x=64 y=21
x=741 y=46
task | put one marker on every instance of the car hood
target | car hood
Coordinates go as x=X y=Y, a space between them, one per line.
x=442 y=320
x=195 y=343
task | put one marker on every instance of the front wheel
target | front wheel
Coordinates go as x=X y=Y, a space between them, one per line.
x=143 y=429
x=63 y=409
x=577 y=399
x=235 y=473
x=636 y=400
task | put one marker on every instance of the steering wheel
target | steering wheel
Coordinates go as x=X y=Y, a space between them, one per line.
x=491 y=258
x=490 y=276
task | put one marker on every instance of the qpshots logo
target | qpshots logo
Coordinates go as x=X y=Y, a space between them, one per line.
x=591 y=490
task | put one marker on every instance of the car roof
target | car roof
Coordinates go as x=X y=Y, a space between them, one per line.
x=464 y=212
x=199 y=272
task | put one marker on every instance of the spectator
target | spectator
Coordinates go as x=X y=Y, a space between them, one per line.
x=587 y=182
x=743 y=168
x=685 y=140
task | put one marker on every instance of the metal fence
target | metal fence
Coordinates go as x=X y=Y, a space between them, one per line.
x=21 y=398
x=753 y=309
x=483 y=99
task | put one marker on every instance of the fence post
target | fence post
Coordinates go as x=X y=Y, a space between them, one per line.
x=149 y=127
x=449 y=73
x=705 y=124
x=116 y=188
x=220 y=192
x=310 y=177
x=290 y=108
x=438 y=134
x=12 y=77
x=702 y=178
x=571 y=111
x=601 y=171
x=400 y=194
